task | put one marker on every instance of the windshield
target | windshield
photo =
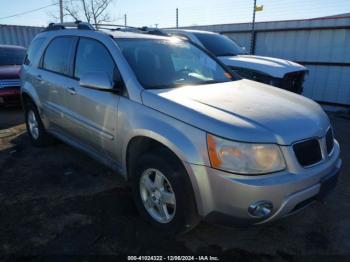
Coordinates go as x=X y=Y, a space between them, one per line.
x=11 y=56
x=170 y=63
x=220 y=45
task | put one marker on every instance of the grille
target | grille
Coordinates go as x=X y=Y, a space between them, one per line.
x=329 y=141
x=308 y=152
x=293 y=82
x=9 y=83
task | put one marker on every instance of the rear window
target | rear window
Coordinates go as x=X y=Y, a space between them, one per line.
x=11 y=56
x=58 y=55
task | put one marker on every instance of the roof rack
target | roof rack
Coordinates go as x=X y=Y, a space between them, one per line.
x=153 y=31
x=124 y=28
x=111 y=27
x=77 y=24
x=114 y=27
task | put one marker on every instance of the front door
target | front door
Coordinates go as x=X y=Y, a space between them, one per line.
x=94 y=112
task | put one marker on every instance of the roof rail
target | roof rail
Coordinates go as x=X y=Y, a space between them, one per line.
x=141 y=30
x=77 y=24
x=115 y=25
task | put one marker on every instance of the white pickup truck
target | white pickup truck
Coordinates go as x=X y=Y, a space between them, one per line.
x=272 y=71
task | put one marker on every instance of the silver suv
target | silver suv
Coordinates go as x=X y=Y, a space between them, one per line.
x=194 y=141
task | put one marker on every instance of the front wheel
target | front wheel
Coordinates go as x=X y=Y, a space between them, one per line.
x=163 y=193
x=157 y=195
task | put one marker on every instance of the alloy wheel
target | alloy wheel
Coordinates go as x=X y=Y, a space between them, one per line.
x=33 y=124
x=157 y=195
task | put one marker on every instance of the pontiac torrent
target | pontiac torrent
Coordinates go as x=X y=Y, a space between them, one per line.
x=193 y=140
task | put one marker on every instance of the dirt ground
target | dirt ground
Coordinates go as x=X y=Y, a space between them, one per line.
x=57 y=200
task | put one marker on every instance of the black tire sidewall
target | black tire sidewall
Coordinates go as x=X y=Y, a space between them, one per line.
x=43 y=138
x=185 y=215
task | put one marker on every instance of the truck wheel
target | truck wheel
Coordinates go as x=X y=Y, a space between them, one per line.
x=163 y=193
x=35 y=127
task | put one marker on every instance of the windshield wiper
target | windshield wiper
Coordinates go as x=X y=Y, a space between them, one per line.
x=213 y=82
x=206 y=82
x=164 y=86
x=174 y=85
x=227 y=54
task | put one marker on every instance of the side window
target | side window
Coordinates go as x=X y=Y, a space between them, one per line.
x=93 y=56
x=58 y=55
x=33 y=50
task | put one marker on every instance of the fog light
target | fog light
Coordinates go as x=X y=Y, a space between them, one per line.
x=261 y=209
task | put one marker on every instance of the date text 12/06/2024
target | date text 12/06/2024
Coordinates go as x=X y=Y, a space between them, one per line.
x=173 y=258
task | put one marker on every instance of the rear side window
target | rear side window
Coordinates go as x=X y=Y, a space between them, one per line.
x=58 y=55
x=33 y=50
x=93 y=56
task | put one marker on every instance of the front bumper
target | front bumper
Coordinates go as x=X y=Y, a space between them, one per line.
x=223 y=195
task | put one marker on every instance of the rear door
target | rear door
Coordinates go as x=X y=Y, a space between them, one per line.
x=94 y=112
x=53 y=78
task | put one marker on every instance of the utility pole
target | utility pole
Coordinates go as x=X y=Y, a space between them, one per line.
x=177 y=17
x=61 y=11
x=252 y=37
x=125 y=20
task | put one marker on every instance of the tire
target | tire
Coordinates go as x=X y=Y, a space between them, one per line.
x=35 y=128
x=182 y=210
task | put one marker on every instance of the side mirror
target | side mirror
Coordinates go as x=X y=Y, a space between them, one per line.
x=96 y=80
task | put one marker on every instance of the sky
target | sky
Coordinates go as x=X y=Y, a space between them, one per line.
x=191 y=12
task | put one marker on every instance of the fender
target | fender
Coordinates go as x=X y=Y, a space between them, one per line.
x=186 y=142
x=135 y=119
x=28 y=89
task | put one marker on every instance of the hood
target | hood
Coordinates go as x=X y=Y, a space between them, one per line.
x=242 y=110
x=272 y=66
x=9 y=71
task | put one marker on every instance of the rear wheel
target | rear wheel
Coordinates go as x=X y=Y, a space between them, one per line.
x=35 y=127
x=163 y=193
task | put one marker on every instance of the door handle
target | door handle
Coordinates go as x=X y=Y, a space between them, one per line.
x=39 y=78
x=71 y=90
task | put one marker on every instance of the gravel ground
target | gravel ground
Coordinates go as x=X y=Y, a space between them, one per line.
x=58 y=201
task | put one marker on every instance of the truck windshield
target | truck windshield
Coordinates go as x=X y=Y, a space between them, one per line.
x=167 y=63
x=220 y=45
x=11 y=56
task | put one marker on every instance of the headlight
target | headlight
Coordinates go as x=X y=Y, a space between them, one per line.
x=244 y=158
x=258 y=76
